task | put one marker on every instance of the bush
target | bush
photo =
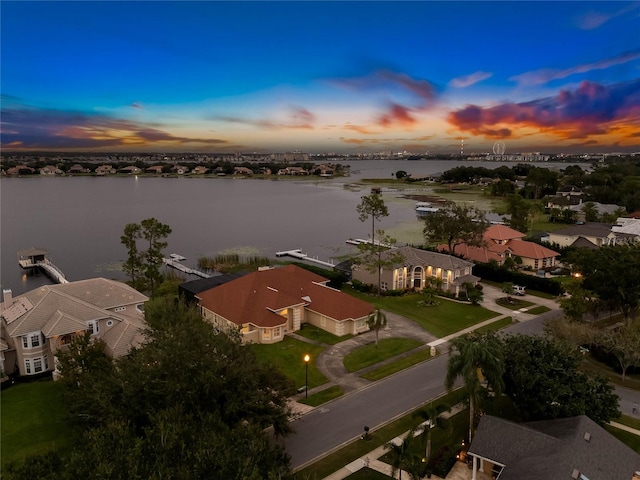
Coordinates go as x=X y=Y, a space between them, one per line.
x=443 y=461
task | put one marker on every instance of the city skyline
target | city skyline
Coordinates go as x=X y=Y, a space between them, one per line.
x=320 y=76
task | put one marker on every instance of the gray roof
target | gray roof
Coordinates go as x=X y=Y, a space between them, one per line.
x=415 y=256
x=553 y=449
x=589 y=229
x=62 y=309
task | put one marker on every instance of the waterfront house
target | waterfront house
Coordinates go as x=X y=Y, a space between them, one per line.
x=200 y=170
x=35 y=325
x=267 y=304
x=50 y=170
x=502 y=242
x=155 y=169
x=181 y=169
x=105 y=170
x=131 y=170
x=20 y=170
x=77 y=169
x=419 y=269
x=567 y=448
x=242 y=171
x=591 y=235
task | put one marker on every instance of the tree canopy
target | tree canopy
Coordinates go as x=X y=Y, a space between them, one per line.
x=542 y=378
x=186 y=403
x=455 y=224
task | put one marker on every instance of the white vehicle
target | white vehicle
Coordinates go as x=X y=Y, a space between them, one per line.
x=518 y=290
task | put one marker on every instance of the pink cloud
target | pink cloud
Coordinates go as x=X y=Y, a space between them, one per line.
x=468 y=80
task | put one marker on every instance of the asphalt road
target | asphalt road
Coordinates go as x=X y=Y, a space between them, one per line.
x=329 y=427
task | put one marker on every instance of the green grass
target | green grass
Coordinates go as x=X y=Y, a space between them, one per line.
x=371 y=354
x=538 y=310
x=629 y=421
x=516 y=303
x=398 y=365
x=323 y=396
x=497 y=325
x=33 y=420
x=628 y=438
x=441 y=320
x=288 y=356
x=591 y=366
x=317 y=334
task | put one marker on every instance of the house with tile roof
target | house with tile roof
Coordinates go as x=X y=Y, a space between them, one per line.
x=418 y=270
x=502 y=242
x=567 y=448
x=35 y=325
x=267 y=304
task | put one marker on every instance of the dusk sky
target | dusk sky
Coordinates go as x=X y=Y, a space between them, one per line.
x=320 y=76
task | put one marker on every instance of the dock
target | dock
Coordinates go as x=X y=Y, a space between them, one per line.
x=37 y=258
x=303 y=256
x=174 y=262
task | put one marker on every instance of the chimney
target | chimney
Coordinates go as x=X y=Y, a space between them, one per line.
x=7 y=298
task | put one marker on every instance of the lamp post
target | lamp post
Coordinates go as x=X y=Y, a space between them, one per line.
x=306 y=375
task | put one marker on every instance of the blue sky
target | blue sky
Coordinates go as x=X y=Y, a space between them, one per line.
x=320 y=76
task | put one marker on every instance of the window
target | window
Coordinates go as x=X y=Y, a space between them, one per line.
x=384 y=286
x=25 y=341
x=35 y=340
x=93 y=326
x=119 y=309
x=37 y=365
x=27 y=366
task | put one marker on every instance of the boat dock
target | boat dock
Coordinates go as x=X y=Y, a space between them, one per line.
x=303 y=256
x=174 y=262
x=37 y=258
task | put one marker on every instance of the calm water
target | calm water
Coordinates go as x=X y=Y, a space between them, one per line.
x=79 y=220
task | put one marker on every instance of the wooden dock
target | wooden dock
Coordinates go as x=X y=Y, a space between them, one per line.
x=174 y=262
x=37 y=258
x=303 y=256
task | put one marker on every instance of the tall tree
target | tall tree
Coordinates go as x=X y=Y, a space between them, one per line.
x=375 y=257
x=377 y=321
x=401 y=454
x=476 y=359
x=372 y=206
x=432 y=417
x=143 y=266
x=542 y=378
x=455 y=224
x=624 y=344
x=154 y=233
x=184 y=404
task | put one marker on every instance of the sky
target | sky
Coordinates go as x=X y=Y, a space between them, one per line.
x=328 y=76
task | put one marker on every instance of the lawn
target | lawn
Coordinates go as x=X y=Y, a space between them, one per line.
x=323 y=396
x=593 y=367
x=371 y=354
x=497 y=325
x=441 y=320
x=368 y=474
x=514 y=304
x=288 y=356
x=33 y=420
x=317 y=334
x=398 y=365
x=629 y=439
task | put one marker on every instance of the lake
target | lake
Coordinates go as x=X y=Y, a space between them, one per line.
x=79 y=220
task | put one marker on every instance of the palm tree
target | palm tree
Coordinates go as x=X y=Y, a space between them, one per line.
x=377 y=321
x=476 y=358
x=401 y=457
x=431 y=418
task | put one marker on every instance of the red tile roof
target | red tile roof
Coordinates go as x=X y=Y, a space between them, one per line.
x=253 y=298
x=502 y=232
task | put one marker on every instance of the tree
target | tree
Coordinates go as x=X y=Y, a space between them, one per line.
x=189 y=401
x=455 y=224
x=144 y=265
x=624 y=344
x=542 y=378
x=375 y=257
x=372 y=206
x=518 y=208
x=612 y=273
x=377 y=321
x=590 y=212
x=578 y=303
x=475 y=359
x=401 y=455
x=432 y=418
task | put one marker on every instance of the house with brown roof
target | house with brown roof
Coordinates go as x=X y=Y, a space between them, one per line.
x=502 y=242
x=105 y=170
x=267 y=304
x=200 y=170
x=419 y=269
x=562 y=449
x=156 y=169
x=242 y=171
x=35 y=325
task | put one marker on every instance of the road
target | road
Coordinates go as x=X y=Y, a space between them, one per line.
x=327 y=428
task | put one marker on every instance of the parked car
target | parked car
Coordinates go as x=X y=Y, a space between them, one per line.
x=518 y=290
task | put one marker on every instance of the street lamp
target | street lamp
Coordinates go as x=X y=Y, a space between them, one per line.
x=306 y=375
